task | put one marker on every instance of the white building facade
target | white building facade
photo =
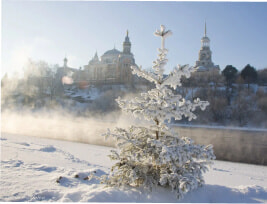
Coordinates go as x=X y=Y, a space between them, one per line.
x=113 y=67
x=204 y=62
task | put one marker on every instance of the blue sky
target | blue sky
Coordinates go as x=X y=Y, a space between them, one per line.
x=47 y=30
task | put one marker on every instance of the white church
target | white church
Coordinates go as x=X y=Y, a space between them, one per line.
x=114 y=66
x=204 y=62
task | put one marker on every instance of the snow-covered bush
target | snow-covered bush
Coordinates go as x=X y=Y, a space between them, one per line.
x=156 y=155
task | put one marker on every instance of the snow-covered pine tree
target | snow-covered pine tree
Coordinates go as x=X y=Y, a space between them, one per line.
x=156 y=155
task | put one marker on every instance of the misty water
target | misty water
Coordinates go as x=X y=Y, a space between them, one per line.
x=240 y=145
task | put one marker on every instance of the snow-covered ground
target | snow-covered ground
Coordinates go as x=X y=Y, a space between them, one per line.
x=30 y=167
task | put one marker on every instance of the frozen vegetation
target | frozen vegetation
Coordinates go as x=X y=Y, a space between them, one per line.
x=152 y=154
x=152 y=162
x=231 y=104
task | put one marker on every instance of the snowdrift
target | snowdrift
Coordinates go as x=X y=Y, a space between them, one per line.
x=31 y=166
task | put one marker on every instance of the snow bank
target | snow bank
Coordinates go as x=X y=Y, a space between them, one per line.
x=31 y=167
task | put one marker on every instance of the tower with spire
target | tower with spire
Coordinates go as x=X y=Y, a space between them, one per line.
x=113 y=67
x=127 y=44
x=95 y=59
x=204 y=62
x=65 y=62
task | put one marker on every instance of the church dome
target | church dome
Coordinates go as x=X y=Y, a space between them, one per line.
x=112 y=52
x=110 y=56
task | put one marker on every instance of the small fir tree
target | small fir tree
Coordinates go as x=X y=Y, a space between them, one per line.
x=230 y=75
x=156 y=155
x=249 y=74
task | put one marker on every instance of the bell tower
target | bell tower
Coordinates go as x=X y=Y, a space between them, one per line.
x=127 y=44
x=65 y=62
x=204 y=54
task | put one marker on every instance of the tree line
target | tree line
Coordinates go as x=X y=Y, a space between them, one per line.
x=237 y=98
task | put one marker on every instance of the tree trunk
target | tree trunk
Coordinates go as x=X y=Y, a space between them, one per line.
x=157 y=132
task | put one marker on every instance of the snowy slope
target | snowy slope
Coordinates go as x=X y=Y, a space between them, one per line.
x=30 y=167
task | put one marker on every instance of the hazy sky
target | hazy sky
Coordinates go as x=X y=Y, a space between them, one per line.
x=47 y=30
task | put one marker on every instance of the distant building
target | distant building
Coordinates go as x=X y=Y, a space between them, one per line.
x=65 y=75
x=113 y=67
x=204 y=62
x=65 y=70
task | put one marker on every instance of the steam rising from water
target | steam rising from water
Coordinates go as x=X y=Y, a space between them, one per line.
x=64 y=126
x=229 y=144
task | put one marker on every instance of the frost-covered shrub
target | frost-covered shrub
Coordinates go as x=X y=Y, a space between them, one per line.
x=155 y=155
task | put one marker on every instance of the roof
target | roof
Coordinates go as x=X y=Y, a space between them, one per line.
x=201 y=69
x=205 y=38
x=112 y=52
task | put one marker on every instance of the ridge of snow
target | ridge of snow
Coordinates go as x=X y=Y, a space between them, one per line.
x=30 y=167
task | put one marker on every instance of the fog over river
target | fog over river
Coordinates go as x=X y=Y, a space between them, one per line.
x=232 y=144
